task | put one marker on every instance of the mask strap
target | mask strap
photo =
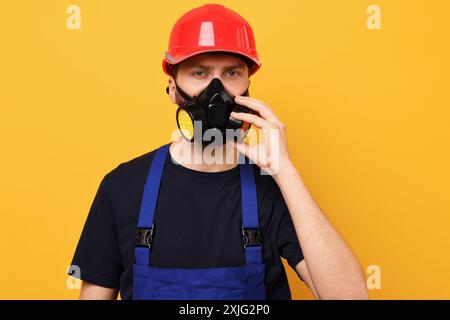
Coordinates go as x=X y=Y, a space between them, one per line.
x=183 y=94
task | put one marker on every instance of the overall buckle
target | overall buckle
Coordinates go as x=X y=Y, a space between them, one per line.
x=251 y=237
x=144 y=237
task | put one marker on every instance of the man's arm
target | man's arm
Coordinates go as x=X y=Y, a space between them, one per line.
x=98 y=254
x=334 y=271
x=302 y=271
x=91 y=291
x=333 y=268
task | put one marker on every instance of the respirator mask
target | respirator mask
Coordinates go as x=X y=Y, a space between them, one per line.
x=209 y=113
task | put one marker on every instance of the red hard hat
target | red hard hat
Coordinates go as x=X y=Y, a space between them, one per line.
x=210 y=28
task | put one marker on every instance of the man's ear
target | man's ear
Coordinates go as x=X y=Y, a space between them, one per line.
x=171 y=90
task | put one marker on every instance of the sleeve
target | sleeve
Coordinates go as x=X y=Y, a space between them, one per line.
x=97 y=256
x=287 y=240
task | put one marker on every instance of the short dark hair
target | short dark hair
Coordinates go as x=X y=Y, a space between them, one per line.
x=244 y=58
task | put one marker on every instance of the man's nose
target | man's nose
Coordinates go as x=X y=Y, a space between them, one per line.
x=223 y=81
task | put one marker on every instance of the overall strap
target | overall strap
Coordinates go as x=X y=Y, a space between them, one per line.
x=148 y=204
x=250 y=222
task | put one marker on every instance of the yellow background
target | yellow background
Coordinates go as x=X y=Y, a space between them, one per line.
x=367 y=113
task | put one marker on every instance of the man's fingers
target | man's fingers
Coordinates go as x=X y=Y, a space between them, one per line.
x=258 y=106
x=252 y=118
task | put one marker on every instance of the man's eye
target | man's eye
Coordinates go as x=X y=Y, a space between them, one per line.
x=233 y=73
x=199 y=73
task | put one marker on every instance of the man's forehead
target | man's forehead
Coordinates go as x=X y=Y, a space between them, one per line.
x=214 y=61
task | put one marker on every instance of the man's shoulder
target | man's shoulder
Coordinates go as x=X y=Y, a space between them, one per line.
x=133 y=168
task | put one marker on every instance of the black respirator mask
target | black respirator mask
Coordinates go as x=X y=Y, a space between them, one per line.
x=212 y=109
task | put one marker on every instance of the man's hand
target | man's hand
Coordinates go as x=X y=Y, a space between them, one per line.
x=271 y=152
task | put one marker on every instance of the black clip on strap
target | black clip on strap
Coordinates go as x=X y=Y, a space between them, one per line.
x=251 y=237
x=144 y=237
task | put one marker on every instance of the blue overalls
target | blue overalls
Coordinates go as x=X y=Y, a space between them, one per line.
x=222 y=283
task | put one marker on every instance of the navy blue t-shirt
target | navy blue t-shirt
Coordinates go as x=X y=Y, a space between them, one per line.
x=198 y=218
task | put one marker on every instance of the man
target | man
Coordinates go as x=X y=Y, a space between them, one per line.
x=163 y=226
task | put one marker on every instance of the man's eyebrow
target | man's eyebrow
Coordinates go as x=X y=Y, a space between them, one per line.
x=200 y=66
x=235 y=66
x=208 y=67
